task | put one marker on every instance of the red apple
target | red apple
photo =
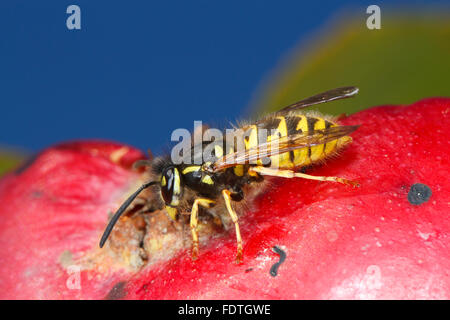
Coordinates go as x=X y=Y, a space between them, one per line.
x=374 y=242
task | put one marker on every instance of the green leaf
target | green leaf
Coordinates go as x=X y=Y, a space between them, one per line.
x=9 y=161
x=406 y=60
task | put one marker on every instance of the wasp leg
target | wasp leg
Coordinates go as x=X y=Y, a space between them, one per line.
x=194 y=222
x=227 y=197
x=292 y=174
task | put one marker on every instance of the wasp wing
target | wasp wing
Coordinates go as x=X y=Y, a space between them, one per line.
x=327 y=96
x=335 y=94
x=282 y=145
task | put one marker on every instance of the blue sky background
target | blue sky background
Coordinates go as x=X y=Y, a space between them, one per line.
x=137 y=70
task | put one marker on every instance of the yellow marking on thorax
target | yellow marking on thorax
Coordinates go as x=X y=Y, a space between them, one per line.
x=191 y=169
x=218 y=151
x=239 y=169
x=252 y=139
x=163 y=181
x=207 y=179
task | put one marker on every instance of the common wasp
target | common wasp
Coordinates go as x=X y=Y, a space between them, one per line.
x=241 y=160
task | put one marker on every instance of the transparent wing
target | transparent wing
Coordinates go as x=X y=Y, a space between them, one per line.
x=282 y=145
x=330 y=95
x=335 y=94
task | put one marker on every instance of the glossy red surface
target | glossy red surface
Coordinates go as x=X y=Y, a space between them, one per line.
x=340 y=242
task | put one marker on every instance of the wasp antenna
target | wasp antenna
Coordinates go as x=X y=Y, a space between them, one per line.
x=119 y=212
x=142 y=163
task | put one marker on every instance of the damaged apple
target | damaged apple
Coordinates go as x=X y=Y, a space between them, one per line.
x=302 y=239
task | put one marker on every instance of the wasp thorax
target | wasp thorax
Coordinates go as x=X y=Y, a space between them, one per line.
x=171 y=186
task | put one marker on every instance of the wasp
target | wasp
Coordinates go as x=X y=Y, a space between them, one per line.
x=297 y=140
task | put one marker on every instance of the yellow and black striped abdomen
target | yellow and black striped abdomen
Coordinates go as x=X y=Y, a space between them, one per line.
x=282 y=126
x=309 y=155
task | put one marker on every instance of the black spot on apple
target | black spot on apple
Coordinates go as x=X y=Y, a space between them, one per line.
x=419 y=193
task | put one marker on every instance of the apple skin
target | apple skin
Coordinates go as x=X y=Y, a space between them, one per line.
x=340 y=243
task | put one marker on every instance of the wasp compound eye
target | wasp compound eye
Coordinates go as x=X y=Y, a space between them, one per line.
x=167 y=185
x=171 y=186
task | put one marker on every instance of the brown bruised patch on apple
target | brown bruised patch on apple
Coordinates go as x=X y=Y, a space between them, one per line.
x=117 y=292
x=143 y=236
x=139 y=238
x=340 y=242
x=142 y=239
